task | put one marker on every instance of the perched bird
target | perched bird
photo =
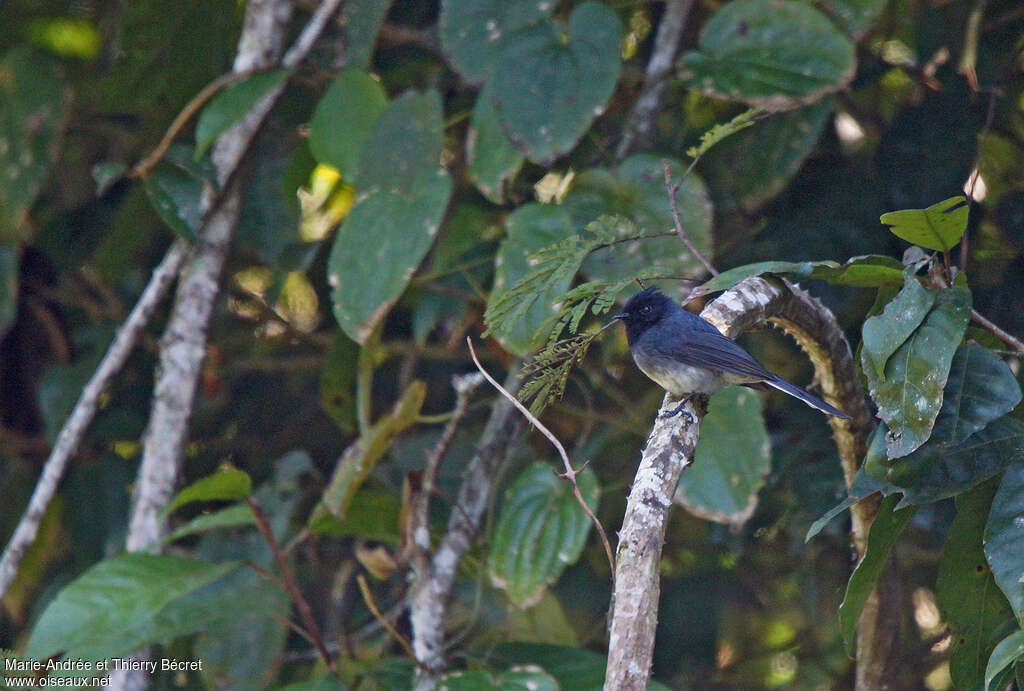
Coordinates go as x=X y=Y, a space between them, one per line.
x=686 y=355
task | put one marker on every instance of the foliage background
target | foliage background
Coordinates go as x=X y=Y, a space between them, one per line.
x=747 y=605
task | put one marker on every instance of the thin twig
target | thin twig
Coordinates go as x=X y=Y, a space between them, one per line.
x=263 y=525
x=81 y=416
x=195 y=103
x=976 y=172
x=1004 y=336
x=674 y=205
x=570 y=473
x=364 y=588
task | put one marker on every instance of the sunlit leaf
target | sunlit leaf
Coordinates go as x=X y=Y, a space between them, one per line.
x=227 y=484
x=939 y=227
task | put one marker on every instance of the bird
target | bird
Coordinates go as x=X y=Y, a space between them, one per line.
x=686 y=355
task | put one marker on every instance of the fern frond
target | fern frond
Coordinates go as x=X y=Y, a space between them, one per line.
x=723 y=130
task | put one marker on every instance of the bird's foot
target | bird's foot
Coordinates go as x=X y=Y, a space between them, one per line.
x=679 y=409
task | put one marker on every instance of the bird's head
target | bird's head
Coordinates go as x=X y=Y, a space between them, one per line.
x=644 y=310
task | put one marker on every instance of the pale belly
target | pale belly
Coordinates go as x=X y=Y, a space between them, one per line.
x=679 y=379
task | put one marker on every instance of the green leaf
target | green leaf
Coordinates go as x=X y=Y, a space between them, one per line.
x=723 y=130
x=549 y=87
x=377 y=249
x=1004 y=537
x=885 y=530
x=572 y=668
x=475 y=32
x=1009 y=651
x=854 y=17
x=733 y=457
x=106 y=174
x=493 y=161
x=752 y=166
x=527 y=678
x=232 y=104
x=909 y=395
x=234 y=516
x=176 y=195
x=404 y=149
x=529 y=229
x=361 y=20
x=976 y=611
x=866 y=271
x=939 y=227
x=361 y=456
x=883 y=334
x=541 y=530
x=981 y=387
x=775 y=55
x=344 y=120
x=636 y=190
x=338 y=382
x=863 y=485
x=227 y=484
x=114 y=607
x=727 y=279
x=372 y=514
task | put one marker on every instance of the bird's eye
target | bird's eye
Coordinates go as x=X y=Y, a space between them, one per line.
x=646 y=309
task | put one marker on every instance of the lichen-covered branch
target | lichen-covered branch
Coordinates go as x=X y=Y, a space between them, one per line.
x=669 y=450
x=433 y=578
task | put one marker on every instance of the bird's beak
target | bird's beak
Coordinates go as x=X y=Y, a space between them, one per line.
x=620 y=315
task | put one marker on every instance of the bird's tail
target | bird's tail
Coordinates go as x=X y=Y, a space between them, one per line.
x=810 y=399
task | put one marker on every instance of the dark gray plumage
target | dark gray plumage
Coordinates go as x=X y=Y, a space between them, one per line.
x=686 y=355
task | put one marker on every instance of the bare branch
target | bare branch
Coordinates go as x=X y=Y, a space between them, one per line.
x=1004 y=336
x=570 y=473
x=85 y=410
x=659 y=67
x=674 y=206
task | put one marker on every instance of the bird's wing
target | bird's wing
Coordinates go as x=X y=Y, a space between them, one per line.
x=709 y=349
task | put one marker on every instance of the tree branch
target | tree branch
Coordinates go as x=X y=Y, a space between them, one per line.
x=659 y=67
x=81 y=416
x=433 y=578
x=669 y=450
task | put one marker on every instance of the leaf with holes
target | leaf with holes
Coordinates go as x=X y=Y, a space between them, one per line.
x=884 y=333
x=541 y=530
x=939 y=227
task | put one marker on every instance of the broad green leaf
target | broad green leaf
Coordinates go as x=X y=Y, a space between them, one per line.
x=976 y=611
x=939 y=227
x=727 y=279
x=883 y=334
x=475 y=32
x=867 y=271
x=909 y=395
x=775 y=55
x=404 y=149
x=232 y=104
x=1004 y=537
x=541 y=530
x=234 y=516
x=372 y=514
x=338 y=382
x=981 y=387
x=493 y=161
x=529 y=228
x=636 y=190
x=733 y=457
x=361 y=20
x=549 y=86
x=572 y=668
x=361 y=456
x=544 y=621
x=940 y=469
x=227 y=484
x=752 y=166
x=344 y=120
x=377 y=249
x=526 y=678
x=1009 y=651
x=114 y=607
x=885 y=530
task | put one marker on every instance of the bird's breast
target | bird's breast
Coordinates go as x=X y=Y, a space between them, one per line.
x=675 y=377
